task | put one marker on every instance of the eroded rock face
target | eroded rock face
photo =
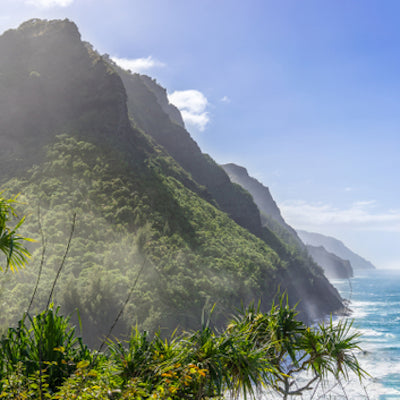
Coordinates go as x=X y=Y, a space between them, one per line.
x=162 y=99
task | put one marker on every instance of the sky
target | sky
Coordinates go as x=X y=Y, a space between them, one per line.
x=303 y=93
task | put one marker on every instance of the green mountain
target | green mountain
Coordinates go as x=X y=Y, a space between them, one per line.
x=146 y=106
x=333 y=266
x=154 y=216
x=260 y=215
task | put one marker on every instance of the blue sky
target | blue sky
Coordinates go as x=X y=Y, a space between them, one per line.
x=304 y=93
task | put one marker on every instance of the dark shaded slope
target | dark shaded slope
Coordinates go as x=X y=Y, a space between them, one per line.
x=270 y=213
x=144 y=106
x=271 y=217
x=301 y=277
x=334 y=266
x=49 y=82
x=136 y=206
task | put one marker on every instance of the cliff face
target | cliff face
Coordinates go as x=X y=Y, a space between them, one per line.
x=162 y=99
x=50 y=83
x=336 y=247
x=128 y=168
x=334 y=266
x=148 y=106
x=261 y=194
x=270 y=213
x=302 y=278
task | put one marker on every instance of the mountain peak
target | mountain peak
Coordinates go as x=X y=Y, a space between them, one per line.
x=38 y=27
x=237 y=169
x=261 y=194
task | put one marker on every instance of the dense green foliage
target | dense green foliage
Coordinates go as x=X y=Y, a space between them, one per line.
x=193 y=254
x=256 y=351
x=47 y=342
x=147 y=233
x=43 y=358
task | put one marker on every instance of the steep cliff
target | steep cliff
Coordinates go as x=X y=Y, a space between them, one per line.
x=271 y=217
x=334 y=266
x=145 y=107
x=270 y=213
x=143 y=215
x=318 y=296
x=337 y=247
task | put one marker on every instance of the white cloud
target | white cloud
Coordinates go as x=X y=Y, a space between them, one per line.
x=193 y=105
x=49 y=3
x=139 y=65
x=361 y=215
x=225 y=99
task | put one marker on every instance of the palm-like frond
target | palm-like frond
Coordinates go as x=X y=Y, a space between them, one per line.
x=11 y=242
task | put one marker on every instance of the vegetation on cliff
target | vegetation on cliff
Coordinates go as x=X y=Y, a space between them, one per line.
x=145 y=212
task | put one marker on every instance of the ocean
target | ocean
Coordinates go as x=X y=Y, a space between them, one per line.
x=375 y=303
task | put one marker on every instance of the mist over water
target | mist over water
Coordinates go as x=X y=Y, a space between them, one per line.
x=375 y=303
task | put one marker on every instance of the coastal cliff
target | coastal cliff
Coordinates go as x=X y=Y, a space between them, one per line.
x=80 y=136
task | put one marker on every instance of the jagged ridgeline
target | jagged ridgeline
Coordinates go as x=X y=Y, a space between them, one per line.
x=333 y=266
x=150 y=207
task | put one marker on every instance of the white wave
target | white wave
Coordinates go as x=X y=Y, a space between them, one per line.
x=370 y=332
x=370 y=389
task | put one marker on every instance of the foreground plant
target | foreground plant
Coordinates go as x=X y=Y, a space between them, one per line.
x=43 y=358
x=11 y=242
x=296 y=351
x=45 y=345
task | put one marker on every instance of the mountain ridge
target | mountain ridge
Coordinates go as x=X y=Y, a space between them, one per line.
x=198 y=235
x=337 y=247
x=333 y=266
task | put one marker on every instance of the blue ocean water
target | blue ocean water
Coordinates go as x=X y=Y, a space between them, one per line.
x=375 y=303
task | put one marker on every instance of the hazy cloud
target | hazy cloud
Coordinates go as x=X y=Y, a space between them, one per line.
x=139 y=65
x=193 y=105
x=49 y=3
x=225 y=99
x=361 y=215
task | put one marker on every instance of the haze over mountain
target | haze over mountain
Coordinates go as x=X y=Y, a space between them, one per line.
x=151 y=207
x=306 y=126
x=333 y=266
x=337 y=247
